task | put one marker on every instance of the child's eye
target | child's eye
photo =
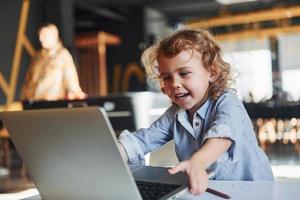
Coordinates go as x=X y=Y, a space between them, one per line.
x=166 y=78
x=184 y=73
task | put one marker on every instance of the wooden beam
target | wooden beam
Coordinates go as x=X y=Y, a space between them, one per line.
x=258 y=33
x=18 y=51
x=28 y=46
x=3 y=84
x=259 y=16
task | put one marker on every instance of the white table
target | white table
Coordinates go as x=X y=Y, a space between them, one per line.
x=238 y=190
x=250 y=190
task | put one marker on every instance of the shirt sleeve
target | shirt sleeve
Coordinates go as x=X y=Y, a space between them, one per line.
x=227 y=123
x=137 y=144
x=32 y=76
x=71 y=80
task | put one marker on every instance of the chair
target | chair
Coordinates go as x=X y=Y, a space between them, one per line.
x=5 y=147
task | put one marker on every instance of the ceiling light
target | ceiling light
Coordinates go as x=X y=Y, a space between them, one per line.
x=228 y=2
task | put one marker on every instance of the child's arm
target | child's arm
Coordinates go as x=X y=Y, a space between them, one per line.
x=195 y=167
x=122 y=152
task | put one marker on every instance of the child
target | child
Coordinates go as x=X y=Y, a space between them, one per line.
x=210 y=126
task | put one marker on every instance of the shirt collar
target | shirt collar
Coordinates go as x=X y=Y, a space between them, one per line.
x=181 y=113
x=203 y=109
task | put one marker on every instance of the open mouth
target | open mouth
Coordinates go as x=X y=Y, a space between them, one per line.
x=181 y=96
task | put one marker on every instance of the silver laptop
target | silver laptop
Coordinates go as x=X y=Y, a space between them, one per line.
x=71 y=153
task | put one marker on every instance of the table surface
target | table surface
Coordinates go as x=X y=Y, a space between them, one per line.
x=246 y=190
x=249 y=190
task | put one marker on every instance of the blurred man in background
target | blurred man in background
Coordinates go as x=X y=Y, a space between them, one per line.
x=52 y=74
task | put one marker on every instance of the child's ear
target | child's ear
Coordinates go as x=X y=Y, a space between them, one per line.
x=212 y=78
x=213 y=75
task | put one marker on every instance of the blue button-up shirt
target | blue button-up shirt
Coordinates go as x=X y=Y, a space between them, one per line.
x=224 y=118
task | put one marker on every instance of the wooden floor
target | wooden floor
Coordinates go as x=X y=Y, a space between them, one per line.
x=14 y=182
x=14 y=178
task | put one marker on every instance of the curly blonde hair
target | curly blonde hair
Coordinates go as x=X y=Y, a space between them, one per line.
x=196 y=40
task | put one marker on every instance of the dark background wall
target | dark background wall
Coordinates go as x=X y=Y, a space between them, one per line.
x=63 y=14
x=129 y=26
x=131 y=33
x=9 y=18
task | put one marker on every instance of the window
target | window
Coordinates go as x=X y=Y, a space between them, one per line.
x=289 y=62
x=251 y=60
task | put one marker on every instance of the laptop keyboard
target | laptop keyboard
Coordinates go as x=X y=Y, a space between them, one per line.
x=153 y=191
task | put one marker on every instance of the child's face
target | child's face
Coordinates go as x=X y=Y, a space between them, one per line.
x=185 y=79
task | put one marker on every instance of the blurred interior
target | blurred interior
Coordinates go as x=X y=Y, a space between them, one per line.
x=259 y=38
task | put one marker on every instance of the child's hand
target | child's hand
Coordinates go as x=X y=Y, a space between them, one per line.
x=198 y=177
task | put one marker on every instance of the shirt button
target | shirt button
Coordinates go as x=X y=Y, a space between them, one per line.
x=197 y=123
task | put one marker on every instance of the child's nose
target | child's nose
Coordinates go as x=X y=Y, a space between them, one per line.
x=176 y=83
